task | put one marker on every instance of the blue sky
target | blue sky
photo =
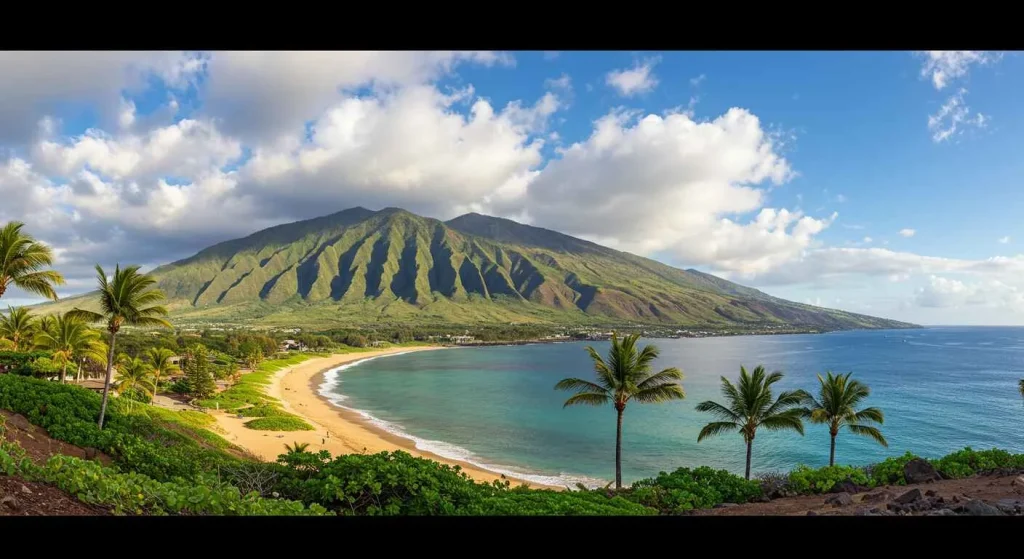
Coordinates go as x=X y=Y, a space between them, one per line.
x=148 y=157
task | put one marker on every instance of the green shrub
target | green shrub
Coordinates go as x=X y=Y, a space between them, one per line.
x=805 y=480
x=967 y=462
x=279 y=423
x=544 y=502
x=686 y=489
x=261 y=410
x=249 y=390
x=889 y=471
x=136 y=441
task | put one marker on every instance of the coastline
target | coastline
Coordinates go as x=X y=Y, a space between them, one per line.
x=336 y=429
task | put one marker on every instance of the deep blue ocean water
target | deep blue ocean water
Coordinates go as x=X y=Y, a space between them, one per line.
x=941 y=389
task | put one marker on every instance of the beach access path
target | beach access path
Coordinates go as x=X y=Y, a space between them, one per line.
x=337 y=430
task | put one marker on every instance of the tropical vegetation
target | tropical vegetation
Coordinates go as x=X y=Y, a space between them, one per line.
x=836 y=407
x=127 y=298
x=23 y=261
x=750 y=406
x=624 y=376
x=18 y=326
x=69 y=340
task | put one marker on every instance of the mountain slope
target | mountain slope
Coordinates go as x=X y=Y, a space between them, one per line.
x=361 y=266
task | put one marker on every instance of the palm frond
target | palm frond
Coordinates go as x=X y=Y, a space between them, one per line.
x=717 y=428
x=579 y=385
x=719 y=410
x=870 y=415
x=84 y=315
x=866 y=431
x=659 y=393
x=588 y=398
x=790 y=420
x=671 y=374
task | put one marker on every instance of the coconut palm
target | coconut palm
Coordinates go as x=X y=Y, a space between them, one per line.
x=133 y=374
x=18 y=326
x=750 y=406
x=624 y=376
x=21 y=261
x=69 y=339
x=160 y=360
x=836 y=406
x=127 y=298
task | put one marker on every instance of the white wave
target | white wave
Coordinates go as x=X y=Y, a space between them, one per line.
x=329 y=390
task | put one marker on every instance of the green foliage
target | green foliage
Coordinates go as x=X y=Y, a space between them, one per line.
x=686 y=489
x=22 y=260
x=249 y=390
x=260 y=410
x=198 y=374
x=279 y=423
x=806 y=480
x=399 y=484
x=136 y=442
x=890 y=470
x=968 y=462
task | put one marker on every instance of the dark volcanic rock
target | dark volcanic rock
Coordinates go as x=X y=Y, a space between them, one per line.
x=877 y=497
x=811 y=513
x=10 y=502
x=1010 y=506
x=725 y=505
x=920 y=471
x=909 y=497
x=940 y=512
x=846 y=486
x=980 y=508
x=840 y=500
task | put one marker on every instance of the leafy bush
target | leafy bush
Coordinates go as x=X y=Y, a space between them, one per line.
x=179 y=386
x=686 y=489
x=544 y=502
x=279 y=423
x=967 y=462
x=775 y=484
x=889 y=471
x=137 y=442
x=806 y=480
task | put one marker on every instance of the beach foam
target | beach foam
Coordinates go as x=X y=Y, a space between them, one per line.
x=329 y=390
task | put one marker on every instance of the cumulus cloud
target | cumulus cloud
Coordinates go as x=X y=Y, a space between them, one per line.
x=634 y=81
x=907 y=233
x=942 y=292
x=1004 y=240
x=670 y=184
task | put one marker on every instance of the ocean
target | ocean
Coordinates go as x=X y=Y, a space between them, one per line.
x=941 y=389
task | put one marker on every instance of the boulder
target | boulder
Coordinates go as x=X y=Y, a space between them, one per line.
x=839 y=500
x=1018 y=484
x=1010 y=506
x=979 y=508
x=920 y=471
x=876 y=497
x=811 y=513
x=10 y=502
x=26 y=490
x=940 y=512
x=909 y=497
x=846 y=486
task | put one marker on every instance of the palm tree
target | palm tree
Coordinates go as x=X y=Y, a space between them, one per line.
x=750 y=406
x=838 y=397
x=68 y=339
x=128 y=298
x=296 y=447
x=18 y=326
x=624 y=376
x=21 y=258
x=133 y=374
x=160 y=360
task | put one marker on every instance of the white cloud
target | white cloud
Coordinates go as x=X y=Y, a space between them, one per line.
x=907 y=233
x=944 y=292
x=634 y=81
x=945 y=66
x=953 y=117
x=867 y=240
x=563 y=82
x=689 y=183
x=1004 y=240
x=698 y=80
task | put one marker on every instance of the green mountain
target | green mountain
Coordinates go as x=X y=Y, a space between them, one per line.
x=359 y=266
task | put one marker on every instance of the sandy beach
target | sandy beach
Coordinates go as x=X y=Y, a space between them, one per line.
x=337 y=430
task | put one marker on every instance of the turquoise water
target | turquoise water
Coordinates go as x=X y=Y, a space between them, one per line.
x=941 y=389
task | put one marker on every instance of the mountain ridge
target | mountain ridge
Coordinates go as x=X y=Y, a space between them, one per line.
x=363 y=266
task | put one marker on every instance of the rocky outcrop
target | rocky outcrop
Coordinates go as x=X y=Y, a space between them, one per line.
x=920 y=471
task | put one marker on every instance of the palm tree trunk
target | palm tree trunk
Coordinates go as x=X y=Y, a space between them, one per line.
x=78 y=377
x=64 y=372
x=106 y=383
x=832 y=452
x=750 y=446
x=618 y=452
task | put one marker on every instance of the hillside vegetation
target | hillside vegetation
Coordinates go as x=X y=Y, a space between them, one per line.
x=360 y=266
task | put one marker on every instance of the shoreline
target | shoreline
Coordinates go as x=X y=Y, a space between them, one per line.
x=336 y=429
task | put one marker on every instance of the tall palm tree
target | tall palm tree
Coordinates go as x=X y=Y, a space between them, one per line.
x=21 y=260
x=160 y=360
x=127 y=298
x=69 y=339
x=750 y=406
x=836 y=406
x=626 y=375
x=133 y=374
x=18 y=326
